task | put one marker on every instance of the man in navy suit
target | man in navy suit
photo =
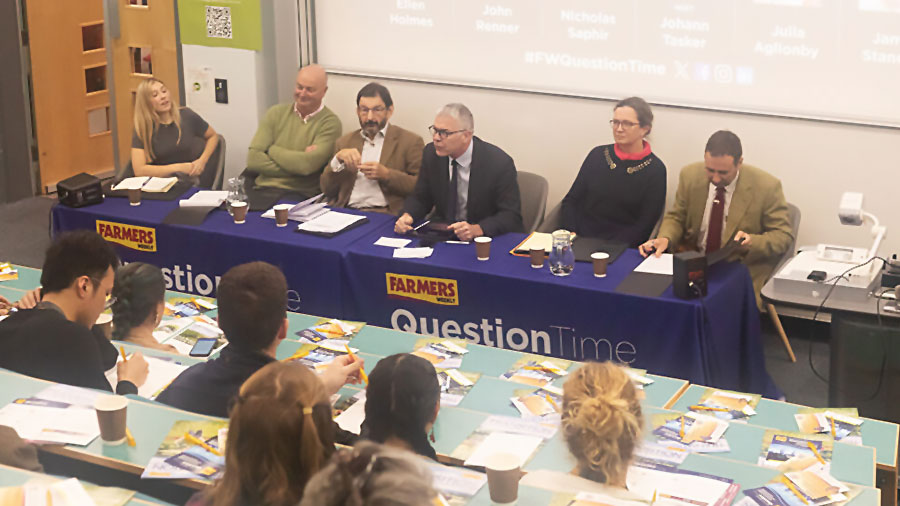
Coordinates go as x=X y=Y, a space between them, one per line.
x=470 y=184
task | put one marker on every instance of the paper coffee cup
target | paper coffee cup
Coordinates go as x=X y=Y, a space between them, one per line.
x=503 y=475
x=537 y=257
x=239 y=210
x=281 y=214
x=483 y=247
x=601 y=261
x=111 y=417
x=134 y=196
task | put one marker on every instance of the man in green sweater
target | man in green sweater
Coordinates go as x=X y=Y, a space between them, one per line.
x=295 y=141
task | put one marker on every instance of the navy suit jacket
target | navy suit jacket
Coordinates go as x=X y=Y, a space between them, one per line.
x=493 y=199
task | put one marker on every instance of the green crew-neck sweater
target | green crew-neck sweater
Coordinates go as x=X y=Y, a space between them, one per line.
x=278 y=150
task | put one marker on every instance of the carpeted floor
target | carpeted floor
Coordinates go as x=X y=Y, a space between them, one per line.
x=25 y=234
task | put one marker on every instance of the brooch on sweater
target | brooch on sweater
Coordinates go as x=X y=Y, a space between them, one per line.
x=630 y=170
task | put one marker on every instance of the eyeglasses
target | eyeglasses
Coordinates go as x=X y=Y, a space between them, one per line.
x=441 y=133
x=624 y=124
x=366 y=110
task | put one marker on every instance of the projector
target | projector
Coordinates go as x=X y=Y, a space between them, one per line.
x=850 y=210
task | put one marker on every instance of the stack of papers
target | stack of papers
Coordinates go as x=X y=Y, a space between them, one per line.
x=457 y=485
x=147 y=184
x=161 y=372
x=45 y=490
x=691 y=432
x=413 y=252
x=185 y=341
x=536 y=371
x=179 y=457
x=188 y=306
x=544 y=403
x=318 y=356
x=638 y=377
x=812 y=486
x=654 y=265
x=793 y=451
x=331 y=222
x=330 y=329
x=841 y=423
x=7 y=272
x=59 y=414
x=455 y=384
x=392 y=242
x=352 y=413
x=540 y=240
x=205 y=198
x=727 y=405
x=671 y=485
x=503 y=434
x=302 y=212
x=442 y=353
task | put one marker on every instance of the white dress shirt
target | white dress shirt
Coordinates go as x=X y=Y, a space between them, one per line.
x=366 y=192
x=711 y=195
x=462 y=184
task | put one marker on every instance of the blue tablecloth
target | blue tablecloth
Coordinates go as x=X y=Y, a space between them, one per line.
x=194 y=257
x=500 y=302
x=504 y=302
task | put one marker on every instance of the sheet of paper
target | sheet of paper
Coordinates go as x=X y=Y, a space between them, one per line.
x=671 y=486
x=171 y=327
x=500 y=442
x=654 y=265
x=161 y=373
x=69 y=493
x=131 y=183
x=159 y=184
x=352 y=418
x=68 y=394
x=330 y=222
x=72 y=425
x=392 y=242
x=413 y=252
x=204 y=198
x=456 y=480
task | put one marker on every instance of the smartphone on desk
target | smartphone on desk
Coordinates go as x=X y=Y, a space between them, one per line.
x=203 y=347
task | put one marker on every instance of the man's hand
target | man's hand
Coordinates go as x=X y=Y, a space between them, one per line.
x=135 y=370
x=743 y=238
x=350 y=157
x=466 y=231
x=374 y=170
x=4 y=305
x=403 y=224
x=340 y=371
x=30 y=299
x=310 y=148
x=654 y=246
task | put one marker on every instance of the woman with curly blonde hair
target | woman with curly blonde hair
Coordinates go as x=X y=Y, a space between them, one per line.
x=602 y=424
x=169 y=141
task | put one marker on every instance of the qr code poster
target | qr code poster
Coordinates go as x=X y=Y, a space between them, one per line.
x=221 y=23
x=218 y=22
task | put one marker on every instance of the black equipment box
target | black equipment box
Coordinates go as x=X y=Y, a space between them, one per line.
x=80 y=190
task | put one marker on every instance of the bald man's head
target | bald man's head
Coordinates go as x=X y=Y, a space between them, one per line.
x=312 y=83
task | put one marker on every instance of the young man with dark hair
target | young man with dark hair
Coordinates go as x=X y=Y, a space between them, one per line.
x=374 y=167
x=252 y=300
x=53 y=341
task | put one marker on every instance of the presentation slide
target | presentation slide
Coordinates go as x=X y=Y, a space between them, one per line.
x=827 y=59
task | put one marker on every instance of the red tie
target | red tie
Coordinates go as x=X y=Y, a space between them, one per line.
x=714 y=233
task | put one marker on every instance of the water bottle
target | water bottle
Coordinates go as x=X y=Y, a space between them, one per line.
x=562 y=257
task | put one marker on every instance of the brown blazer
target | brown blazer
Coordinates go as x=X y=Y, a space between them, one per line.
x=401 y=153
x=757 y=207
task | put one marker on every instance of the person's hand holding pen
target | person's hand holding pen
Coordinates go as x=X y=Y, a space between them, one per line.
x=342 y=370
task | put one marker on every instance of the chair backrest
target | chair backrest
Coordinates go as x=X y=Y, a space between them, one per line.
x=220 y=167
x=533 y=191
x=552 y=220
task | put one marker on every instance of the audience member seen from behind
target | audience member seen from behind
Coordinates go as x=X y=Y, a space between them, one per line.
x=53 y=340
x=139 y=302
x=601 y=423
x=402 y=403
x=368 y=475
x=169 y=141
x=620 y=191
x=252 y=300
x=280 y=434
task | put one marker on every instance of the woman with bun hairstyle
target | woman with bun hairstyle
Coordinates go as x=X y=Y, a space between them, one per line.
x=280 y=434
x=402 y=403
x=139 y=292
x=602 y=424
